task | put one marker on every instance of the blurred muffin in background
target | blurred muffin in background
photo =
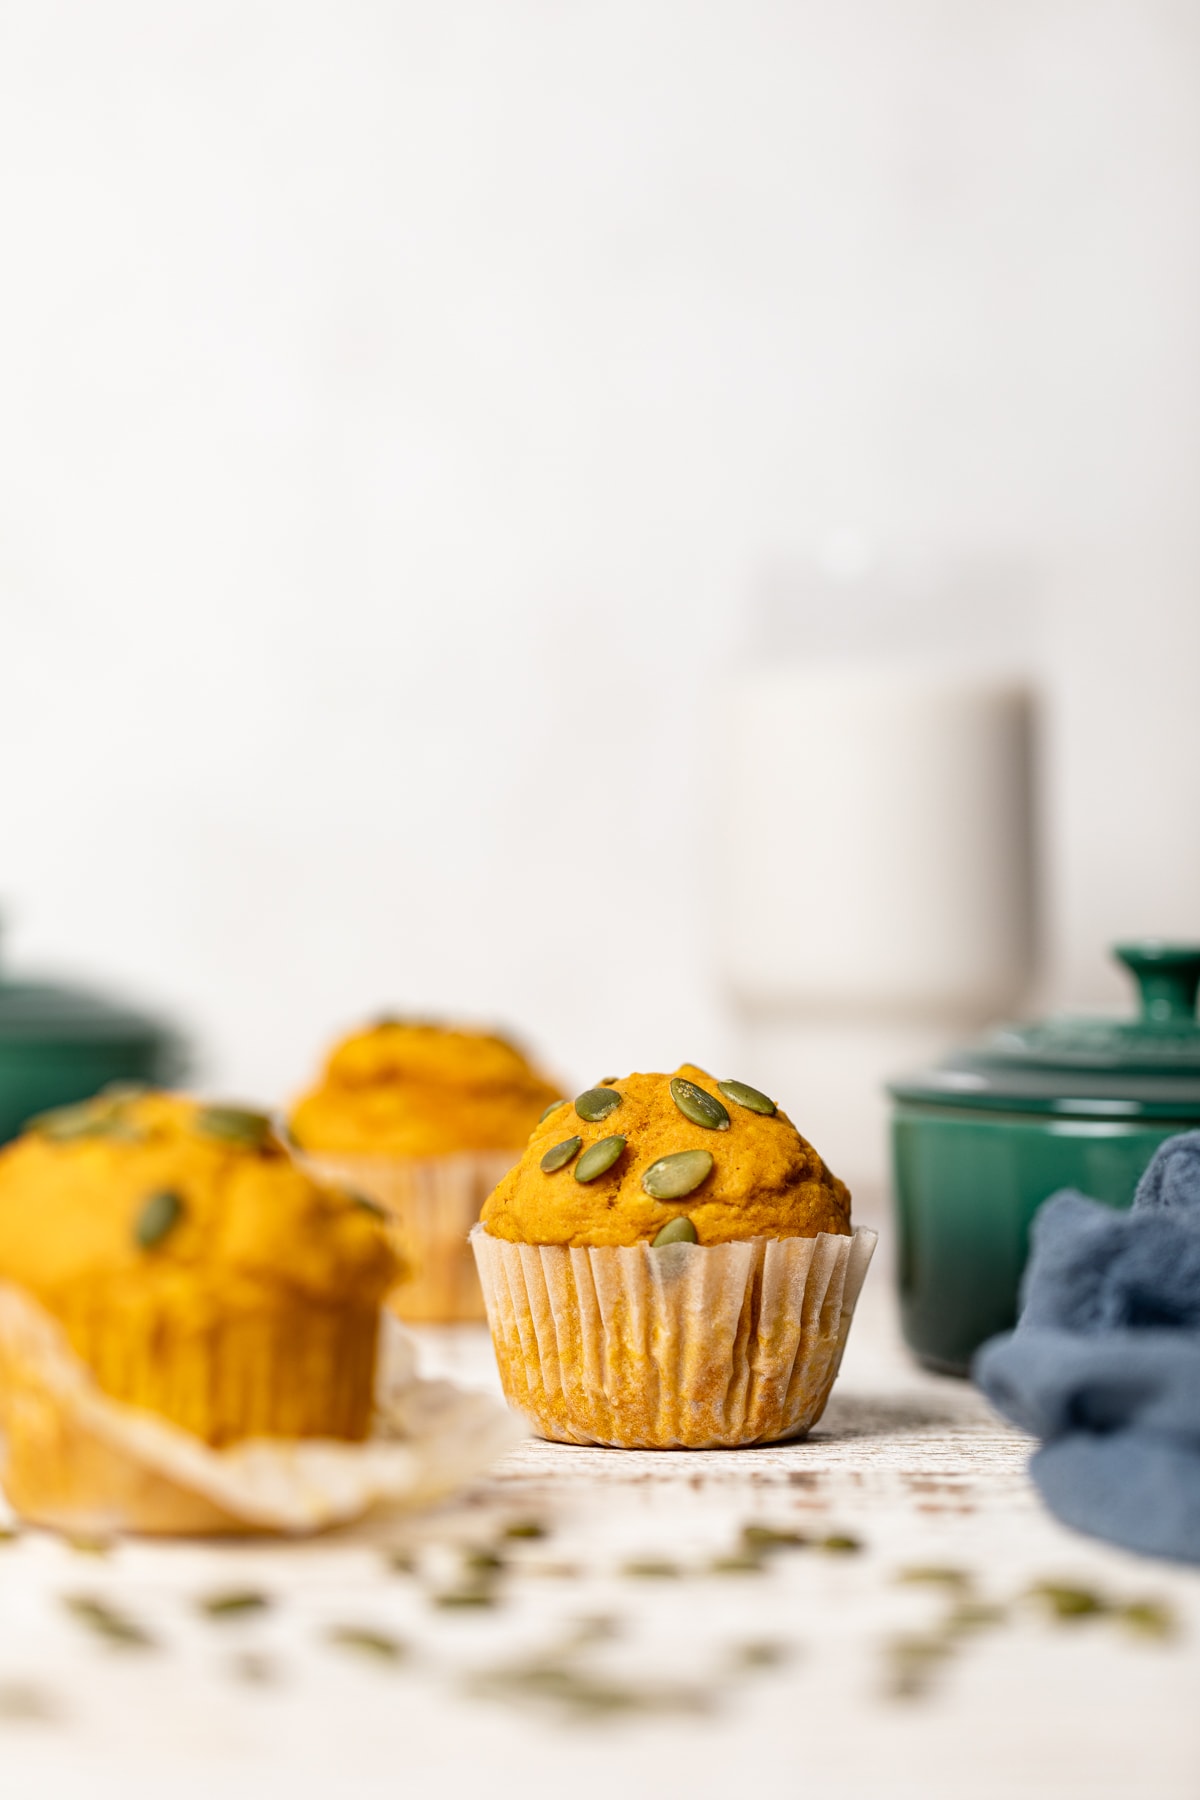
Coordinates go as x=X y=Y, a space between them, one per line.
x=198 y=1275
x=423 y=1119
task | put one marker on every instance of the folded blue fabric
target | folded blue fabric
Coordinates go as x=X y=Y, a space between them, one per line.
x=1104 y=1365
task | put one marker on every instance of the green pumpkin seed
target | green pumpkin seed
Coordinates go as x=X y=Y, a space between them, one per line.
x=935 y=1575
x=597 y=1103
x=157 y=1219
x=749 y=1097
x=700 y=1107
x=677 y=1231
x=64 y=1123
x=553 y=1107
x=1149 y=1618
x=599 y=1158
x=559 y=1155
x=364 y=1640
x=1070 y=1603
x=91 y=1118
x=367 y=1205
x=234 y=1125
x=234 y=1604
x=765 y=1540
x=671 y=1177
x=119 y=1093
x=107 y=1622
x=474 y=1594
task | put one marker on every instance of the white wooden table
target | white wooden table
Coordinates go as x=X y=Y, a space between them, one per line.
x=821 y=1672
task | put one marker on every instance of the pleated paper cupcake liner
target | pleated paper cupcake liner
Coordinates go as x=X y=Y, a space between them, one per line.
x=77 y=1461
x=430 y=1203
x=690 y=1346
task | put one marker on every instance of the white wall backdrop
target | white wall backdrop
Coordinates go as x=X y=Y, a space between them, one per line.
x=400 y=404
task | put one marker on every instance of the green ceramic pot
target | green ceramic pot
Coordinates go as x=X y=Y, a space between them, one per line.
x=61 y=1044
x=979 y=1142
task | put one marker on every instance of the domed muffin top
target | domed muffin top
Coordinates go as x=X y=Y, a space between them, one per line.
x=405 y=1088
x=707 y=1162
x=140 y=1196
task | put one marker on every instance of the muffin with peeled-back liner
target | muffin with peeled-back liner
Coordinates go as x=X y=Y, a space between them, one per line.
x=197 y=1274
x=670 y=1265
x=424 y=1119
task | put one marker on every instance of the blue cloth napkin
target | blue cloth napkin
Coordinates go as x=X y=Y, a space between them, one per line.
x=1104 y=1365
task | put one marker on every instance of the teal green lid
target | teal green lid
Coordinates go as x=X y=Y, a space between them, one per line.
x=1147 y=1066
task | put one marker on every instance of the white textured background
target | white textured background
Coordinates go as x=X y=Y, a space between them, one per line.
x=400 y=406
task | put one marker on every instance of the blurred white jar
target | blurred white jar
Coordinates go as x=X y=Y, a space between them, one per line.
x=876 y=855
x=875 y=871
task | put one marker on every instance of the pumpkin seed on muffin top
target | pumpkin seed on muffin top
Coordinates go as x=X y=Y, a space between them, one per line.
x=718 y=1155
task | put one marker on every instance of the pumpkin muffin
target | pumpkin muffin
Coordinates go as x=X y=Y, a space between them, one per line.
x=194 y=1271
x=670 y=1265
x=424 y=1119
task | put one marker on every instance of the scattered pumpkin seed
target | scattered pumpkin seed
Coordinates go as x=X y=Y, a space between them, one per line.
x=9 y=1534
x=596 y=1103
x=234 y=1125
x=20 y=1703
x=157 y=1219
x=107 y=1622
x=743 y=1562
x=743 y=1095
x=673 y=1177
x=840 y=1543
x=1149 y=1618
x=481 y=1561
x=935 y=1575
x=526 y=1528
x=675 y=1231
x=582 y=1694
x=234 y=1604
x=913 y=1662
x=696 y=1104
x=253 y=1667
x=1069 y=1603
x=559 y=1155
x=367 y=1641
x=595 y=1628
x=974 y=1615
x=402 y=1562
x=472 y=1595
x=765 y=1540
x=553 y=1107
x=598 y=1158
x=651 y=1568
x=763 y=1653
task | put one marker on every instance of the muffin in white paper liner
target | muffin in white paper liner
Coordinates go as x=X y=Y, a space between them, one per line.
x=77 y=1461
x=430 y=1204
x=689 y=1346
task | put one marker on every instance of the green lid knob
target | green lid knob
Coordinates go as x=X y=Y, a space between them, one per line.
x=1168 y=976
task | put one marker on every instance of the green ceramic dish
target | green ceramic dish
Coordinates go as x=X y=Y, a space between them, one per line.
x=61 y=1044
x=979 y=1142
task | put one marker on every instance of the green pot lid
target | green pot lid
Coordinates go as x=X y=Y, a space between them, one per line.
x=45 y=1012
x=1142 y=1067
